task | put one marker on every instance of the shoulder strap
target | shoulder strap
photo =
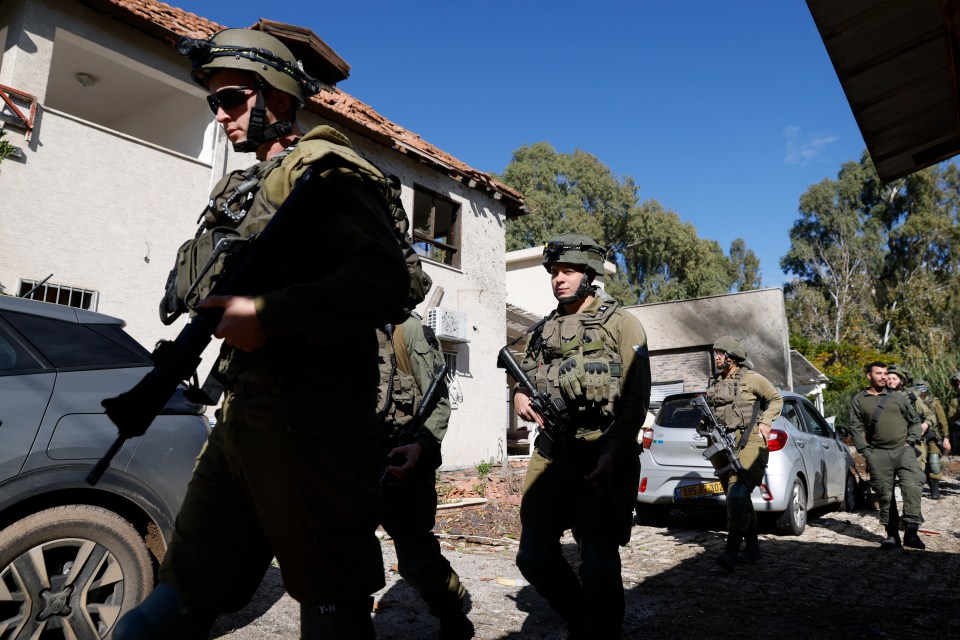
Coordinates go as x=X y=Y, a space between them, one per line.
x=400 y=350
x=876 y=412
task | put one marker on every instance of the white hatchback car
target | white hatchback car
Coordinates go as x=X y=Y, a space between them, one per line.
x=809 y=466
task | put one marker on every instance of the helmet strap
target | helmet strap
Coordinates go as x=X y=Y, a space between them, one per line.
x=585 y=289
x=258 y=131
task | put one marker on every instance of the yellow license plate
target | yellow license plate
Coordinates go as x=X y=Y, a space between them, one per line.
x=698 y=491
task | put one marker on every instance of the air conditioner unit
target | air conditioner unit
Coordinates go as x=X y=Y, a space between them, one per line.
x=448 y=324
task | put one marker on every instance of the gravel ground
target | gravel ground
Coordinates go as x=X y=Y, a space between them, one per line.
x=831 y=582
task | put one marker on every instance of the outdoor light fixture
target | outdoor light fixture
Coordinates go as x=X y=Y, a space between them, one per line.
x=85 y=79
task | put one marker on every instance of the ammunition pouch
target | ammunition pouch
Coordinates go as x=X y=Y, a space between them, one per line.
x=200 y=262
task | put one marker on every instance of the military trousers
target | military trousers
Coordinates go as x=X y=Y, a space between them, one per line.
x=886 y=466
x=411 y=511
x=273 y=481
x=741 y=516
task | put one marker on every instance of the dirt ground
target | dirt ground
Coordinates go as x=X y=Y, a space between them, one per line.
x=832 y=582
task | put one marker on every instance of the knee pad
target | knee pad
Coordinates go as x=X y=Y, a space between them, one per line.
x=933 y=463
x=337 y=621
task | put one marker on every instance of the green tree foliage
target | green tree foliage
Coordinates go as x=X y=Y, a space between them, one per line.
x=877 y=276
x=6 y=149
x=658 y=256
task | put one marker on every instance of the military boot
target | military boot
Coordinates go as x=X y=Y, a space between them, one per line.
x=751 y=549
x=911 y=539
x=934 y=489
x=728 y=559
x=893 y=538
x=456 y=627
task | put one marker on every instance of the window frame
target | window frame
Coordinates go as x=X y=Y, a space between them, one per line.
x=426 y=242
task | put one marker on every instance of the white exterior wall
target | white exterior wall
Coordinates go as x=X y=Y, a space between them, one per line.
x=528 y=283
x=105 y=211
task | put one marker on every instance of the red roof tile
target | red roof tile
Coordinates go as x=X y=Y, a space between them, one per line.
x=338 y=106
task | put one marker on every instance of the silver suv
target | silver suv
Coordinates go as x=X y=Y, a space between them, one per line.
x=74 y=558
x=809 y=465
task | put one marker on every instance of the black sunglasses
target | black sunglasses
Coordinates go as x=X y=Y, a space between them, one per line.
x=229 y=98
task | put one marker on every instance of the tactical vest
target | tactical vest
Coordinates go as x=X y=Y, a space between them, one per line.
x=562 y=337
x=398 y=395
x=244 y=201
x=726 y=399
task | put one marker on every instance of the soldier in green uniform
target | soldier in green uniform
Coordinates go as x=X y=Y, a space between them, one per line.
x=291 y=469
x=953 y=412
x=744 y=401
x=592 y=356
x=410 y=357
x=936 y=438
x=885 y=428
x=900 y=379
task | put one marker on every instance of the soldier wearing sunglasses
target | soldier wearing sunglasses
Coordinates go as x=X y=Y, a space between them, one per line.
x=291 y=469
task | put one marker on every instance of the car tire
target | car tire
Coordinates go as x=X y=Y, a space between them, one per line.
x=78 y=567
x=848 y=502
x=794 y=519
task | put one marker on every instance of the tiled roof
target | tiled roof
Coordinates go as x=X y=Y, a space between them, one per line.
x=340 y=107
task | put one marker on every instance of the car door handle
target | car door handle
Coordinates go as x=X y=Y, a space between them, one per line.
x=801 y=443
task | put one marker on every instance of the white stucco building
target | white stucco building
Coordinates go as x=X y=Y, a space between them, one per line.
x=118 y=152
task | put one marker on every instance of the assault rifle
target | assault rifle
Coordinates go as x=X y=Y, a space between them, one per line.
x=931 y=435
x=409 y=433
x=721 y=440
x=133 y=411
x=557 y=427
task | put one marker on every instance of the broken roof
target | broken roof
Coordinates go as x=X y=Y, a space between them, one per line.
x=169 y=23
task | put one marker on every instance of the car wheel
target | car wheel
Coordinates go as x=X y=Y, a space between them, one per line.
x=70 y=572
x=849 y=501
x=794 y=520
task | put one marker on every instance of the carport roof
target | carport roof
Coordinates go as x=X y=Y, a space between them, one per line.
x=897 y=64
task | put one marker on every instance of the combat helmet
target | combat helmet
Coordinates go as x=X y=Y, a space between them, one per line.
x=900 y=372
x=577 y=249
x=732 y=347
x=259 y=53
x=955 y=378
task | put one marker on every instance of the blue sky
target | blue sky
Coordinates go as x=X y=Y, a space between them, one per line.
x=724 y=112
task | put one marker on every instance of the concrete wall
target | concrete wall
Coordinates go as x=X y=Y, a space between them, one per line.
x=106 y=211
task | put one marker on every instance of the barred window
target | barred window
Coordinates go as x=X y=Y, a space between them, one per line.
x=58 y=294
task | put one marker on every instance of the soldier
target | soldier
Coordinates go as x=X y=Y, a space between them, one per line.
x=410 y=358
x=591 y=355
x=291 y=469
x=936 y=438
x=885 y=428
x=743 y=401
x=900 y=379
x=953 y=411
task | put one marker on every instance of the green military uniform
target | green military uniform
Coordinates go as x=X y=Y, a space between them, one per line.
x=291 y=468
x=610 y=343
x=408 y=362
x=953 y=413
x=744 y=399
x=883 y=442
x=933 y=437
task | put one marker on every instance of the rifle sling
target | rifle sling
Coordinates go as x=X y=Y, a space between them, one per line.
x=748 y=430
x=875 y=418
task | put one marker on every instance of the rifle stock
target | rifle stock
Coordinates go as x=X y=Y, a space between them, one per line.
x=133 y=411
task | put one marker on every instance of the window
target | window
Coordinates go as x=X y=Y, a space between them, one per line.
x=791 y=415
x=815 y=424
x=68 y=344
x=436 y=227
x=13 y=357
x=450 y=357
x=58 y=294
